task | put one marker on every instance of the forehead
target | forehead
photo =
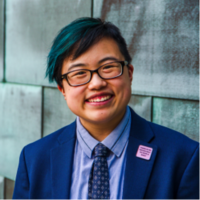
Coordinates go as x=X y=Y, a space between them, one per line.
x=106 y=47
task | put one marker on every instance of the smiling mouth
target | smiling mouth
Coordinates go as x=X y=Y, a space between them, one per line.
x=100 y=99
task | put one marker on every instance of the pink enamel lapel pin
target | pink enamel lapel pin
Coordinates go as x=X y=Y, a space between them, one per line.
x=144 y=152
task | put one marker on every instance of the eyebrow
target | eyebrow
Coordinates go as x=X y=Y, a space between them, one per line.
x=84 y=65
x=107 y=58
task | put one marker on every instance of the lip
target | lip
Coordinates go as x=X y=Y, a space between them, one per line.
x=99 y=95
x=101 y=103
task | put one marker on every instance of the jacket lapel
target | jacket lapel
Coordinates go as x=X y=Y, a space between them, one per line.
x=62 y=162
x=138 y=170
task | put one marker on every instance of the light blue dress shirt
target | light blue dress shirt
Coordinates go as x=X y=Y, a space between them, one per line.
x=117 y=142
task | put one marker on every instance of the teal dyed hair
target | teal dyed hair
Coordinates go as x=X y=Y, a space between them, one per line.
x=76 y=38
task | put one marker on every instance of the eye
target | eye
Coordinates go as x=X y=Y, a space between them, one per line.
x=80 y=73
x=77 y=74
x=108 y=66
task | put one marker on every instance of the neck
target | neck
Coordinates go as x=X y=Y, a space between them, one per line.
x=100 y=131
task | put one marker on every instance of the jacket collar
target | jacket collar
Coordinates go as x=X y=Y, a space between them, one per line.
x=68 y=133
x=140 y=128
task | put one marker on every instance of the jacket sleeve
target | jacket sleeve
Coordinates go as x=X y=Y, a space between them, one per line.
x=21 y=190
x=189 y=184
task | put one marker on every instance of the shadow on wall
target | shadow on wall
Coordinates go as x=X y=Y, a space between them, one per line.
x=165 y=28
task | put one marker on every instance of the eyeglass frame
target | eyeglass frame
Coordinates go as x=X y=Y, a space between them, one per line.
x=123 y=63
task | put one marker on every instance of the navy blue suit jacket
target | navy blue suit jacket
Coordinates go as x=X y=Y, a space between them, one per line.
x=45 y=166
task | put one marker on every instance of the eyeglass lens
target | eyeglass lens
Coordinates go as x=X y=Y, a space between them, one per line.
x=107 y=71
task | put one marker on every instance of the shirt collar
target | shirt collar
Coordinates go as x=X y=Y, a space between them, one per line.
x=86 y=141
x=115 y=141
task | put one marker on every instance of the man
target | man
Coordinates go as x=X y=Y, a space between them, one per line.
x=109 y=152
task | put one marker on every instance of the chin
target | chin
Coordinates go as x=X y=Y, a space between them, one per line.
x=100 y=117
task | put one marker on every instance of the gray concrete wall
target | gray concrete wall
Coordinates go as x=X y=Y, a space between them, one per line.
x=162 y=37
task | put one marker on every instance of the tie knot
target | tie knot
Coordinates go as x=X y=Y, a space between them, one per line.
x=101 y=151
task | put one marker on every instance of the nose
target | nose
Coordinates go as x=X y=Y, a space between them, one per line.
x=96 y=82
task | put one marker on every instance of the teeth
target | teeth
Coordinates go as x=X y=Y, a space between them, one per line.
x=99 y=100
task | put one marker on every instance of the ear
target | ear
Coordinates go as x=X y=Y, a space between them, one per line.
x=62 y=90
x=130 y=72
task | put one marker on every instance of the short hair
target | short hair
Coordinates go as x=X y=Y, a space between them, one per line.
x=76 y=38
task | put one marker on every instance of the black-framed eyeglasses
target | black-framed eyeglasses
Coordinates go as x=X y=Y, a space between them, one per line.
x=83 y=76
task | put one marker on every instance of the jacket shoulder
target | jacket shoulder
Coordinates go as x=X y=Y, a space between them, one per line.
x=50 y=141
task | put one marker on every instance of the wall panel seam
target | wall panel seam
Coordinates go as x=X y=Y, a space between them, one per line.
x=42 y=112
x=92 y=4
x=4 y=41
x=152 y=108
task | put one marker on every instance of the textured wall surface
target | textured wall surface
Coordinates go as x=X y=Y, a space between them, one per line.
x=180 y=115
x=56 y=112
x=163 y=40
x=162 y=37
x=28 y=43
x=20 y=123
x=141 y=105
x=1 y=37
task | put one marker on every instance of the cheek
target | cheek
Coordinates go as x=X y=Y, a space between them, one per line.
x=122 y=89
x=122 y=85
x=75 y=98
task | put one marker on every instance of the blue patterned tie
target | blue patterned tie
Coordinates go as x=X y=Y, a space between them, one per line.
x=98 y=186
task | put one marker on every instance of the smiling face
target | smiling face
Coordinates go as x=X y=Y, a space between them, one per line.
x=100 y=102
